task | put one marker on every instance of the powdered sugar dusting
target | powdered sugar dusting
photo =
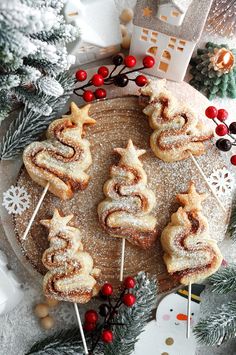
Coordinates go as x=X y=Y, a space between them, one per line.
x=117 y=121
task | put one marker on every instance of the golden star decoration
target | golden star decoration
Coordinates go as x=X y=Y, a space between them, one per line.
x=147 y=12
x=57 y=223
x=191 y=200
x=130 y=152
x=80 y=116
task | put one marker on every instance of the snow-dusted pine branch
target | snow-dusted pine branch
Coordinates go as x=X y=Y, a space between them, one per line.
x=224 y=280
x=33 y=38
x=218 y=327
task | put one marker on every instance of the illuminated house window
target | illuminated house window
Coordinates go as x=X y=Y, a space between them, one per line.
x=71 y=14
x=166 y=55
x=164 y=18
x=175 y=13
x=171 y=46
x=152 y=51
x=144 y=34
x=163 y=66
x=172 y=39
x=180 y=49
x=144 y=38
x=182 y=43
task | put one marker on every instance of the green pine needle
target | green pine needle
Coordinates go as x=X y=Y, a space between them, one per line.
x=218 y=327
x=69 y=342
x=232 y=222
x=29 y=124
x=134 y=318
x=64 y=342
x=224 y=281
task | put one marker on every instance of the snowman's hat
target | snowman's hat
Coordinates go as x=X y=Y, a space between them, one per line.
x=195 y=294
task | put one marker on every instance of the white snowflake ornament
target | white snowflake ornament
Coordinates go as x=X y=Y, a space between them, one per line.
x=222 y=181
x=16 y=200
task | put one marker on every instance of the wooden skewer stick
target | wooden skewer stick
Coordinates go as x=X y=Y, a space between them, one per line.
x=81 y=329
x=122 y=259
x=207 y=182
x=35 y=211
x=189 y=311
x=24 y=237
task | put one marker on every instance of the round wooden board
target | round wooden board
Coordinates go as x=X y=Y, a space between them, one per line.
x=118 y=120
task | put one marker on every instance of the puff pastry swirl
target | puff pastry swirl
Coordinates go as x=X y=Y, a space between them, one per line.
x=71 y=276
x=189 y=253
x=126 y=211
x=177 y=130
x=64 y=157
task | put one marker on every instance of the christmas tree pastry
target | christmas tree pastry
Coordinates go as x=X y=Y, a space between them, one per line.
x=189 y=253
x=71 y=276
x=214 y=71
x=177 y=130
x=126 y=211
x=63 y=158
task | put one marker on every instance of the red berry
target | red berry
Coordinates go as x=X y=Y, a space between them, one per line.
x=148 y=61
x=141 y=80
x=233 y=159
x=221 y=130
x=129 y=299
x=107 y=289
x=107 y=336
x=222 y=114
x=91 y=316
x=130 y=61
x=103 y=71
x=88 y=96
x=97 y=80
x=100 y=93
x=211 y=112
x=129 y=282
x=81 y=75
x=89 y=327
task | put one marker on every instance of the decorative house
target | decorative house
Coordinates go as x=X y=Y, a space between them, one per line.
x=168 y=30
x=98 y=22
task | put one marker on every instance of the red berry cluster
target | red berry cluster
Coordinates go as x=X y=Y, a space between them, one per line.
x=108 y=311
x=222 y=129
x=103 y=77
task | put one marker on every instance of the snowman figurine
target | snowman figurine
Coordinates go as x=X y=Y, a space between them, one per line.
x=10 y=288
x=167 y=334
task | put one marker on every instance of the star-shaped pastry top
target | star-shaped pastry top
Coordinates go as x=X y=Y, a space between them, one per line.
x=191 y=200
x=80 y=116
x=57 y=223
x=147 y=12
x=154 y=88
x=130 y=154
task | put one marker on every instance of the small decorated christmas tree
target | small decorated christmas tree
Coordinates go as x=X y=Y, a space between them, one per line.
x=214 y=71
x=126 y=211
x=33 y=53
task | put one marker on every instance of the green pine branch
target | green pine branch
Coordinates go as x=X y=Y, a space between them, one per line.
x=64 y=342
x=218 y=327
x=134 y=318
x=232 y=222
x=29 y=124
x=69 y=342
x=224 y=281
